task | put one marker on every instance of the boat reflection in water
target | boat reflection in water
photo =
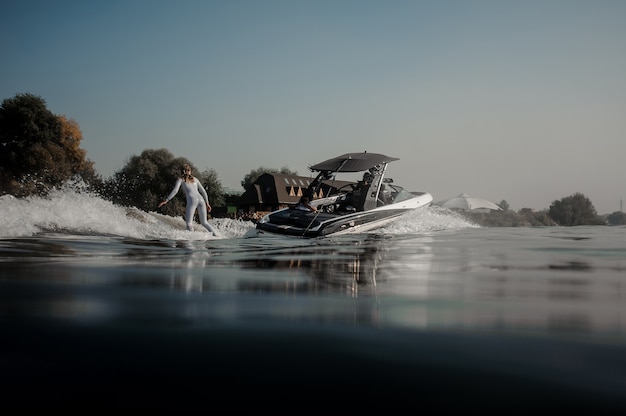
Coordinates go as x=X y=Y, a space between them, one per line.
x=353 y=267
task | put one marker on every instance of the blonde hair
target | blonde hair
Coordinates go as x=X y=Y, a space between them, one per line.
x=182 y=170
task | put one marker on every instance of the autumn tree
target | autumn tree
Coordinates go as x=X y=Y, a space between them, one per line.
x=70 y=140
x=40 y=150
x=574 y=210
x=147 y=179
x=254 y=174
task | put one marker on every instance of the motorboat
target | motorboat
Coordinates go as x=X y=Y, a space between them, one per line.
x=358 y=206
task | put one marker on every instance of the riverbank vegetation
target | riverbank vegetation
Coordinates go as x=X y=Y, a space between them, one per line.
x=42 y=150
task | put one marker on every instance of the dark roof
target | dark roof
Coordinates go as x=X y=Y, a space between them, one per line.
x=352 y=162
x=276 y=188
x=289 y=188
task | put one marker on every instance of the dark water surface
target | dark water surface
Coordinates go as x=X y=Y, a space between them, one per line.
x=109 y=309
x=455 y=318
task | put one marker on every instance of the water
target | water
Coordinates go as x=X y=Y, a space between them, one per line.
x=103 y=307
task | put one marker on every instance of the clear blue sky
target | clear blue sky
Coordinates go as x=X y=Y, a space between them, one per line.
x=517 y=100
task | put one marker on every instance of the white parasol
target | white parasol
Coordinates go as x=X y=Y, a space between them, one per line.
x=467 y=203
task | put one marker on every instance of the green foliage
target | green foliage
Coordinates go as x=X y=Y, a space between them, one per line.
x=213 y=187
x=40 y=150
x=617 y=218
x=148 y=179
x=504 y=205
x=254 y=174
x=574 y=210
x=143 y=181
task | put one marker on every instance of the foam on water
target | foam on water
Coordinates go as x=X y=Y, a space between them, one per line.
x=73 y=209
x=427 y=220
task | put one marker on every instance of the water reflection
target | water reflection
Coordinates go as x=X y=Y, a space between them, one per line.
x=419 y=281
x=352 y=267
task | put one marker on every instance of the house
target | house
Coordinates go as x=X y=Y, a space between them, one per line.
x=272 y=191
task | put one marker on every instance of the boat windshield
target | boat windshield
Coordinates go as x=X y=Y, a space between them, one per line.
x=399 y=194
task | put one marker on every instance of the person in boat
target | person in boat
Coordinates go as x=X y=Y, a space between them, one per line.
x=197 y=199
x=385 y=195
x=368 y=177
x=305 y=204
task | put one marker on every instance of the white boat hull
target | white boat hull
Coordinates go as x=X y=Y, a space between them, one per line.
x=289 y=221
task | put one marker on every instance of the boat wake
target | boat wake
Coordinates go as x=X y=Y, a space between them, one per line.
x=76 y=211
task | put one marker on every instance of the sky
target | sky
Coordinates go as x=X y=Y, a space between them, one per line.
x=523 y=101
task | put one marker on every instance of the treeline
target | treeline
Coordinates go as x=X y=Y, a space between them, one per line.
x=573 y=210
x=41 y=151
x=557 y=214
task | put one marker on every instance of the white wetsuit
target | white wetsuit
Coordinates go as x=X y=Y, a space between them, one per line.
x=196 y=199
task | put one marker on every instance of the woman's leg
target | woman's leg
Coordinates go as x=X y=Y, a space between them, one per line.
x=202 y=214
x=189 y=211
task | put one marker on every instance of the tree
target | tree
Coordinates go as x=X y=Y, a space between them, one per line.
x=504 y=205
x=70 y=139
x=147 y=179
x=40 y=150
x=573 y=210
x=617 y=218
x=213 y=187
x=254 y=174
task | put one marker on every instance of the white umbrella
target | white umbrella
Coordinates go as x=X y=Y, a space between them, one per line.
x=467 y=203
